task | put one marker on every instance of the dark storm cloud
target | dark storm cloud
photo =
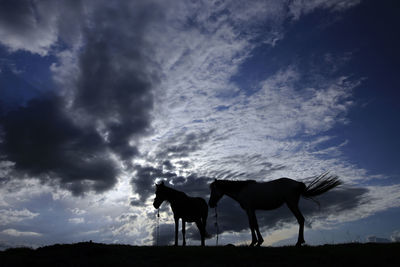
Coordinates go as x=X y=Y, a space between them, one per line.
x=16 y=15
x=114 y=88
x=43 y=143
x=35 y=26
x=177 y=147
x=68 y=138
x=144 y=178
x=14 y=91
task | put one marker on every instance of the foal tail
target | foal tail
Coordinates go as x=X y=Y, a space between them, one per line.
x=321 y=184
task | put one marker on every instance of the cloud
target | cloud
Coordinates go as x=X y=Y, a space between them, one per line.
x=75 y=137
x=145 y=178
x=153 y=82
x=395 y=237
x=127 y=217
x=13 y=232
x=24 y=26
x=44 y=143
x=298 y=8
x=76 y=220
x=182 y=145
x=166 y=163
x=77 y=211
x=16 y=233
x=109 y=87
x=37 y=26
x=114 y=85
x=9 y=216
x=166 y=235
x=15 y=90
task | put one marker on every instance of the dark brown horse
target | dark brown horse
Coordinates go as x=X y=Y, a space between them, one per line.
x=252 y=196
x=189 y=209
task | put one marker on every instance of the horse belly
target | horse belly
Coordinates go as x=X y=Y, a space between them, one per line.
x=263 y=198
x=191 y=211
x=266 y=203
x=190 y=216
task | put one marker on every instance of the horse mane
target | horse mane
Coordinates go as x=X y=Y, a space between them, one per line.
x=174 y=192
x=233 y=186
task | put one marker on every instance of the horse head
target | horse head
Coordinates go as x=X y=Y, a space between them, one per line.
x=215 y=195
x=160 y=195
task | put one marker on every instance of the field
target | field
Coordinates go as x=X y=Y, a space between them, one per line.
x=94 y=254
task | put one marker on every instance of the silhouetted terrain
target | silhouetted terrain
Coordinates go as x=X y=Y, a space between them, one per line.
x=94 y=254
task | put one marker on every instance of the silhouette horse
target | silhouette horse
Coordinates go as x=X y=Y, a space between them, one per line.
x=189 y=209
x=252 y=196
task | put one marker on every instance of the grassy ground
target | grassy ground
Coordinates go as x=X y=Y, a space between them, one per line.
x=94 y=254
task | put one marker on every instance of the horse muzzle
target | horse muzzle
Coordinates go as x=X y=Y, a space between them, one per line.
x=156 y=204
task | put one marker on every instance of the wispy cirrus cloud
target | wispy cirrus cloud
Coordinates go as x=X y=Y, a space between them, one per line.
x=298 y=8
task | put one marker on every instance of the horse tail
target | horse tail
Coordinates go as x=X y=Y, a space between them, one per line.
x=321 y=184
x=204 y=216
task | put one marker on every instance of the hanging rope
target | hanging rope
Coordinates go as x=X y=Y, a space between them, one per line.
x=216 y=225
x=158 y=227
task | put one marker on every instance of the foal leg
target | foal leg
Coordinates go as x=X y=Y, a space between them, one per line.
x=176 y=230
x=251 y=216
x=184 y=232
x=300 y=219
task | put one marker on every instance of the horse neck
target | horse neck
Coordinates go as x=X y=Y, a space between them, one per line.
x=174 y=195
x=232 y=188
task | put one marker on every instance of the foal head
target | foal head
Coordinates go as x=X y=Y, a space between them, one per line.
x=160 y=195
x=215 y=195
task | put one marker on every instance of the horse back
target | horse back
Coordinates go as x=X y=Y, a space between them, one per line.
x=270 y=195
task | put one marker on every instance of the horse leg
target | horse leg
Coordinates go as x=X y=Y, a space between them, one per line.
x=260 y=240
x=204 y=222
x=201 y=227
x=176 y=230
x=294 y=208
x=251 y=216
x=184 y=232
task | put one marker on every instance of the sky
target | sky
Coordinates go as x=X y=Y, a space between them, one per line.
x=100 y=100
